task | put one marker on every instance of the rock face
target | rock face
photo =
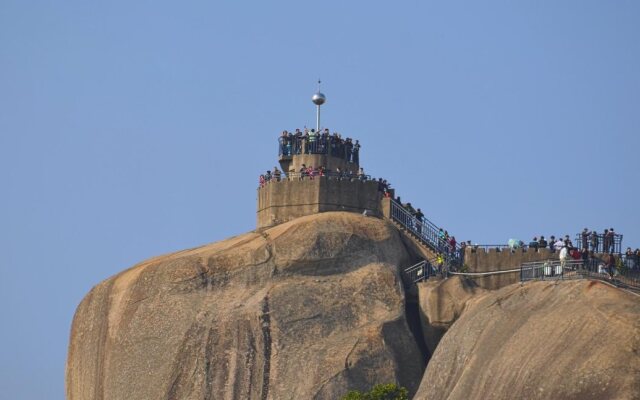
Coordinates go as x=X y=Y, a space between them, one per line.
x=304 y=310
x=543 y=340
x=441 y=302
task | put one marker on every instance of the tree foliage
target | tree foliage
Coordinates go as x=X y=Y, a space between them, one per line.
x=389 y=391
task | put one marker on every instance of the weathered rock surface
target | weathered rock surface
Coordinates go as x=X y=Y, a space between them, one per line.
x=543 y=340
x=304 y=310
x=441 y=302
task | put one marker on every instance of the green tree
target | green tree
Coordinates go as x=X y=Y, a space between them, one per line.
x=389 y=391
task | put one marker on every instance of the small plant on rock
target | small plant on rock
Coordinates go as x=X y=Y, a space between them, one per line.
x=390 y=391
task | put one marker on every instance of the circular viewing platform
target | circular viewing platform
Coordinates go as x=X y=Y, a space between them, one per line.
x=318 y=149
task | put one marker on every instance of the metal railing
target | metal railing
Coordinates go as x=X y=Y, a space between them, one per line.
x=290 y=176
x=549 y=269
x=427 y=232
x=594 y=268
x=420 y=272
x=600 y=243
x=497 y=247
x=318 y=144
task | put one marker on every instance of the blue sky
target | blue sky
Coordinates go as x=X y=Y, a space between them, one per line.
x=132 y=129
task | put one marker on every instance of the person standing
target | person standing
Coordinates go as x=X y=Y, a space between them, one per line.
x=542 y=243
x=564 y=255
x=419 y=217
x=585 y=257
x=612 y=241
x=594 y=241
x=585 y=238
x=611 y=264
x=356 y=153
x=440 y=263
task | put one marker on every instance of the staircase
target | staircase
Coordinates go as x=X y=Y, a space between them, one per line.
x=426 y=234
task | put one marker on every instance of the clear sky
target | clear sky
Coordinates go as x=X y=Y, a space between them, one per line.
x=130 y=129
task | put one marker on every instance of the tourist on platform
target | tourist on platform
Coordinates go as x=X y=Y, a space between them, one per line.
x=611 y=263
x=576 y=254
x=419 y=217
x=302 y=172
x=355 y=158
x=515 y=244
x=410 y=208
x=542 y=243
x=552 y=242
x=311 y=172
x=630 y=259
x=267 y=176
x=349 y=150
x=440 y=262
x=276 y=174
x=612 y=241
x=452 y=245
x=284 y=141
x=312 y=140
x=564 y=255
x=534 y=244
x=585 y=237
x=559 y=244
x=361 y=175
x=568 y=242
x=594 y=241
x=585 y=256
x=261 y=180
x=605 y=241
x=441 y=238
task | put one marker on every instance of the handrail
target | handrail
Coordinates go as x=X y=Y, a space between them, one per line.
x=598 y=245
x=426 y=231
x=284 y=176
x=319 y=144
x=499 y=247
x=569 y=269
x=421 y=271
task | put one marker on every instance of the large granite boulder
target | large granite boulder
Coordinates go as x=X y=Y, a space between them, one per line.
x=441 y=302
x=305 y=310
x=542 y=340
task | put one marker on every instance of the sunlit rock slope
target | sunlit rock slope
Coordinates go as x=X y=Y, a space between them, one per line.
x=304 y=310
x=542 y=340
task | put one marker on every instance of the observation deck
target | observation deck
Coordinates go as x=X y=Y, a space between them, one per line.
x=318 y=149
x=320 y=172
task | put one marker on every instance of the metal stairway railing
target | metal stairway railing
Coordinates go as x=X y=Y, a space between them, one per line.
x=427 y=233
x=421 y=271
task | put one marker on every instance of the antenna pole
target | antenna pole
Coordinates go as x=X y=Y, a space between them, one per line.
x=318 y=113
x=318 y=99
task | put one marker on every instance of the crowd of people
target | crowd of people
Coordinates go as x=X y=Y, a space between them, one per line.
x=309 y=141
x=311 y=172
x=606 y=242
x=446 y=244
